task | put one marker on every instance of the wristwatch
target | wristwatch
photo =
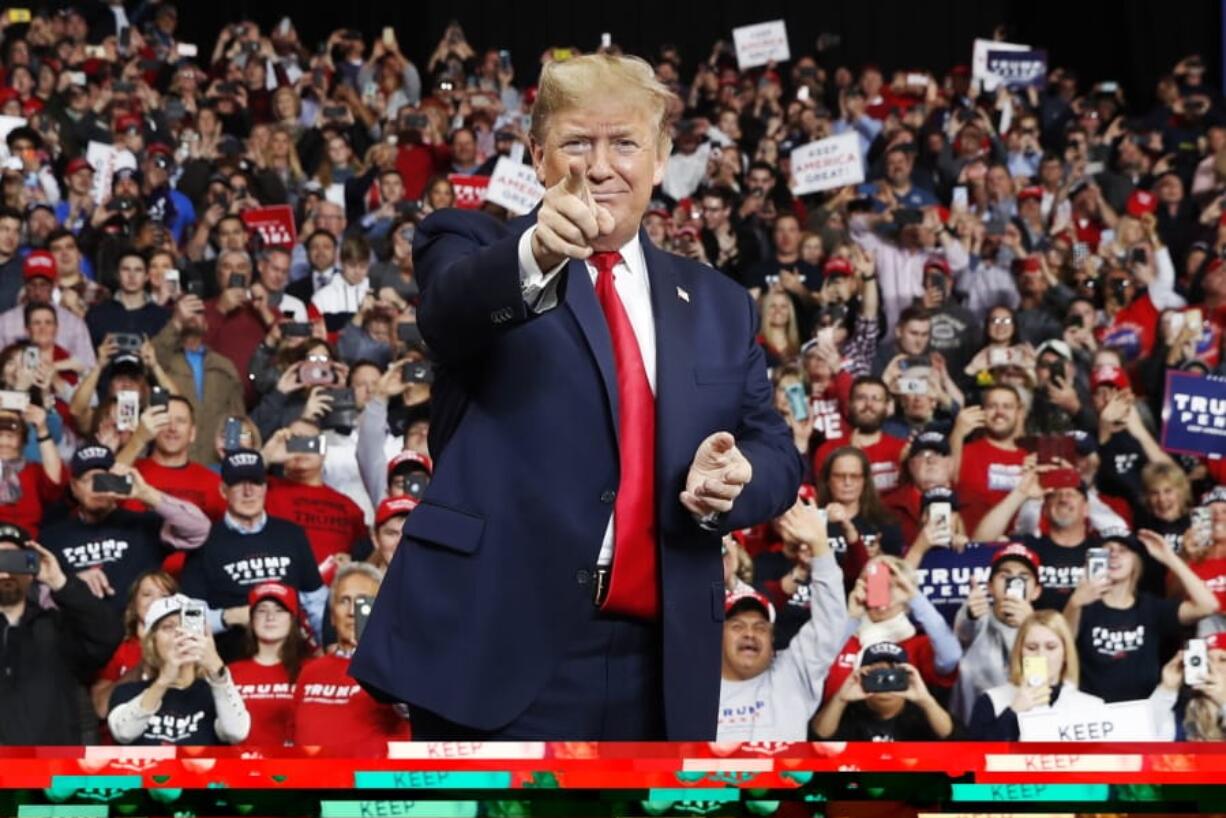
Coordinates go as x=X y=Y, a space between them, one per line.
x=710 y=522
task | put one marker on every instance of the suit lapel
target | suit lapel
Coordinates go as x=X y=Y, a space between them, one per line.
x=673 y=319
x=581 y=300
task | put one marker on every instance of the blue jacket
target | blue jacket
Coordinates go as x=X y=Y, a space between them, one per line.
x=481 y=598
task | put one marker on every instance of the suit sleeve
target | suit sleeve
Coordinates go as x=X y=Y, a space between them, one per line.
x=469 y=269
x=766 y=442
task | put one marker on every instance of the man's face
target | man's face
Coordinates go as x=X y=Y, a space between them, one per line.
x=229 y=264
x=1051 y=171
x=39 y=290
x=870 y=405
x=13 y=587
x=274 y=271
x=747 y=644
x=897 y=168
x=913 y=337
x=81 y=182
x=760 y=180
x=362 y=381
x=1001 y=410
x=329 y=216
x=929 y=470
x=787 y=236
x=41 y=326
x=344 y=594
x=464 y=148
x=714 y=212
x=616 y=142
x=1007 y=573
x=918 y=408
x=179 y=432
x=132 y=274
x=10 y=236
x=391 y=187
x=67 y=256
x=387 y=537
x=1066 y=508
x=245 y=500
x=231 y=235
x=322 y=253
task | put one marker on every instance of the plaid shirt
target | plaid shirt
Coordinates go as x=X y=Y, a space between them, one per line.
x=859 y=349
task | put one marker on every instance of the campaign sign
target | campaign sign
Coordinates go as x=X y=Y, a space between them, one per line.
x=514 y=186
x=1194 y=414
x=827 y=163
x=1122 y=721
x=980 y=75
x=1019 y=69
x=761 y=43
x=274 y=224
x=469 y=190
x=947 y=577
x=106 y=159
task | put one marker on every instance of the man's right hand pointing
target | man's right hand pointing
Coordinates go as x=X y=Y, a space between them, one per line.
x=569 y=220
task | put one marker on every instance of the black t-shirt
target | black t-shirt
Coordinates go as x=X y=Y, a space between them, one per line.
x=124 y=545
x=1153 y=578
x=185 y=717
x=230 y=564
x=861 y=724
x=1120 y=650
x=1119 y=473
x=1060 y=569
x=756 y=276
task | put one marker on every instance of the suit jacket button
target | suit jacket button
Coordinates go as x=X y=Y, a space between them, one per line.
x=583 y=576
x=608 y=496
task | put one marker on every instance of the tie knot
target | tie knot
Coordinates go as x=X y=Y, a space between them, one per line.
x=605 y=261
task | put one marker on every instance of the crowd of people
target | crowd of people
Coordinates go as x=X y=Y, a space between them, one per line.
x=210 y=441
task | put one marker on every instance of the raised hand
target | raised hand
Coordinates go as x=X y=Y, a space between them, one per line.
x=569 y=220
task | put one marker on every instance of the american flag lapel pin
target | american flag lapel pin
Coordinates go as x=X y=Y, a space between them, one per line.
x=683 y=295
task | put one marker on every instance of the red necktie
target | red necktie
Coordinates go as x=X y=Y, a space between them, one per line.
x=633 y=586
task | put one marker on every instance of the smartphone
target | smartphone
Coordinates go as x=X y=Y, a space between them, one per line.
x=998 y=356
x=195 y=287
x=913 y=386
x=878 y=585
x=959 y=199
x=107 y=483
x=389 y=36
x=18 y=561
x=284 y=26
x=418 y=373
x=1202 y=525
x=186 y=50
x=797 y=401
x=316 y=373
x=128 y=341
x=606 y=39
x=335 y=112
x=191 y=619
x=236 y=281
x=409 y=333
x=173 y=283
x=18 y=15
x=95 y=52
x=1015 y=587
x=127 y=410
x=1051 y=448
x=1194 y=319
x=77 y=77
x=1096 y=563
x=232 y=435
x=885 y=680
x=159 y=397
x=362 y=606
x=1034 y=671
x=31 y=358
x=802 y=93
x=125 y=39
x=504 y=59
x=307 y=445
x=1195 y=662
x=296 y=329
x=940 y=523
x=13 y=401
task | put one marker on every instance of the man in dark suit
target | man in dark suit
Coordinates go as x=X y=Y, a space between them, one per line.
x=601 y=415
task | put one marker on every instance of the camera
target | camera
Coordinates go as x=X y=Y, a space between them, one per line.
x=307 y=445
x=107 y=483
x=344 y=411
x=316 y=373
x=418 y=373
x=913 y=386
x=885 y=680
x=296 y=329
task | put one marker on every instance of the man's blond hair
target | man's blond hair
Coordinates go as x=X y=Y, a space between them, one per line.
x=566 y=84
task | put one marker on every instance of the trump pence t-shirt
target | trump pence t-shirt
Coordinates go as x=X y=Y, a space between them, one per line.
x=268 y=694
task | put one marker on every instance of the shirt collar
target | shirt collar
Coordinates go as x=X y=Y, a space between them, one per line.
x=254 y=528
x=632 y=258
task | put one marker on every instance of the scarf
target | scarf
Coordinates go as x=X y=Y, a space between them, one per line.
x=896 y=629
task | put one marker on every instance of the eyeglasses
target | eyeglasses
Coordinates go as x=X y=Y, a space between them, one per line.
x=1002 y=321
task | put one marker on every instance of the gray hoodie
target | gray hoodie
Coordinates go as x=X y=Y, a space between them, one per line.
x=776 y=704
x=986 y=644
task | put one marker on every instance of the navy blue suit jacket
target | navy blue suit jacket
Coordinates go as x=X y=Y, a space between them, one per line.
x=481 y=597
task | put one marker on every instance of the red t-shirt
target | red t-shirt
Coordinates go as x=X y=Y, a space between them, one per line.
x=919 y=654
x=37 y=492
x=333 y=522
x=883 y=457
x=269 y=695
x=904 y=503
x=125 y=657
x=331 y=710
x=1133 y=329
x=192 y=483
x=988 y=473
x=1213 y=572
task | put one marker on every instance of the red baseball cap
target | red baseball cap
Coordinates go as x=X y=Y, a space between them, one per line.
x=1141 y=202
x=749 y=599
x=39 y=264
x=838 y=266
x=936 y=263
x=128 y=122
x=1032 y=192
x=279 y=592
x=1216 y=641
x=77 y=165
x=1017 y=551
x=394 y=507
x=409 y=457
x=1028 y=264
x=1109 y=375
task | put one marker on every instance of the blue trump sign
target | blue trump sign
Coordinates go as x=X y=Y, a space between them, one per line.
x=1019 y=69
x=1194 y=414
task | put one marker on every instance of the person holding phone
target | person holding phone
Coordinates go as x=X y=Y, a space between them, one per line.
x=942 y=554
x=1195 y=707
x=330 y=710
x=108 y=546
x=987 y=624
x=171 y=427
x=48 y=651
x=28 y=487
x=150 y=586
x=184 y=693
x=275 y=651
x=884 y=699
x=1044 y=673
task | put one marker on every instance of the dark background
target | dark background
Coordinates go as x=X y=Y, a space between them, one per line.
x=1131 y=41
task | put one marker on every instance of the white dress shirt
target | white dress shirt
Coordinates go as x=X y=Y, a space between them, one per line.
x=634 y=290
x=341 y=296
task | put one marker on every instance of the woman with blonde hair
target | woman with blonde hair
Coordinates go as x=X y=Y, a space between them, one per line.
x=1046 y=640
x=280 y=156
x=185 y=694
x=780 y=335
x=146 y=589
